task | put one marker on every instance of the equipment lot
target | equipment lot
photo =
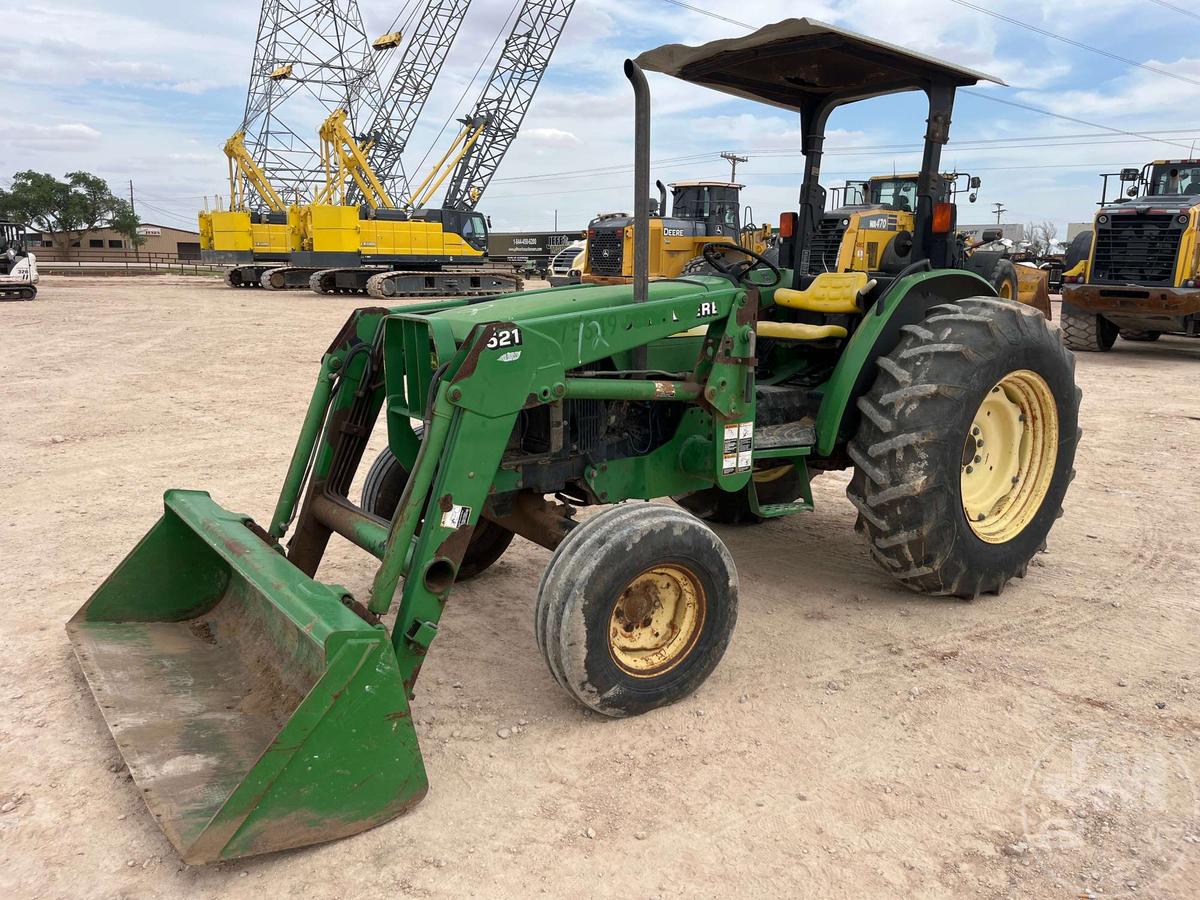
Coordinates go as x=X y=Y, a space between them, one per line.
x=856 y=740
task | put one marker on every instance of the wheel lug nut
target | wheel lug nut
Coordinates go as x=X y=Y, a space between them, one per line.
x=981 y=517
x=978 y=459
x=975 y=430
x=1015 y=479
x=970 y=470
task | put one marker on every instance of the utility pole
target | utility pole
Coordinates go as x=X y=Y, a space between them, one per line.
x=556 y=220
x=998 y=209
x=733 y=159
x=133 y=209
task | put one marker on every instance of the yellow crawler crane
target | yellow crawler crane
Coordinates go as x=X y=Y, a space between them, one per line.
x=380 y=247
x=701 y=212
x=248 y=240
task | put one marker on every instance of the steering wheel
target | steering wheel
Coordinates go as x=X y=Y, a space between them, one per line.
x=714 y=251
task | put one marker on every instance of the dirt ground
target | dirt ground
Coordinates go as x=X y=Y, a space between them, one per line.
x=856 y=741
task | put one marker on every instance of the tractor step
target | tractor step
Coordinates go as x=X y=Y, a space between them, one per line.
x=798 y=436
x=444 y=283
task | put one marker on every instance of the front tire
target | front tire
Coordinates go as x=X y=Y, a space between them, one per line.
x=1004 y=280
x=965 y=447
x=636 y=608
x=384 y=486
x=1085 y=331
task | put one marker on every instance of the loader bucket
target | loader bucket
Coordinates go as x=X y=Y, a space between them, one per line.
x=255 y=711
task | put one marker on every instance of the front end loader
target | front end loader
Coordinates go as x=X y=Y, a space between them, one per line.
x=261 y=708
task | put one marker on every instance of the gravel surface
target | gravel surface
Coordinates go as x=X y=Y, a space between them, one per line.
x=857 y=740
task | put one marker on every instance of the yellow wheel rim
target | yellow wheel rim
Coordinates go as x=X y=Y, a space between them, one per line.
x=766 y=476
x=1008 y=456
x=656 y=621
x=1005 y=292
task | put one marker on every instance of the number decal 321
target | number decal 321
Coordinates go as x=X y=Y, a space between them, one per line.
x=504 y=337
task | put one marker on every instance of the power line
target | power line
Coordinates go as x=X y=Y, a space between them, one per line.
x=1178 y=9
x=1044 y=112
x=1074 y=43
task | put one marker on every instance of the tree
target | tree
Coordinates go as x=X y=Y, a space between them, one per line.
x=124 y=220
x=68 y=208
x=1040 y=235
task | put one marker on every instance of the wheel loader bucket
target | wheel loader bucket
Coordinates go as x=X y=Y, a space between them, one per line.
x=256 y=712
x=1032 y=288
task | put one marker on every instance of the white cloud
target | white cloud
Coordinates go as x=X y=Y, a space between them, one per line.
x=550 y=137
x=73 y=136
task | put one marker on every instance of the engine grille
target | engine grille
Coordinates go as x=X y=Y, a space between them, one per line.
x=1137 y=249
x=605 y=250
x=826 y=242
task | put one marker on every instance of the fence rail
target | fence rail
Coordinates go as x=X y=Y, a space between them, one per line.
x=79 y=259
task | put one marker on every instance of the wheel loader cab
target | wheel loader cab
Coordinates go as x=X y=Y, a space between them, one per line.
x=700 y=212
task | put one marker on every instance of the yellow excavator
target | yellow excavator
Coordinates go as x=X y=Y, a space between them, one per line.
x=701 y=212
x=870 y=229
x=243 y=238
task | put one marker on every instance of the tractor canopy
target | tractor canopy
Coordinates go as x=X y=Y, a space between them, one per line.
x=798 y=64
x=812 y=68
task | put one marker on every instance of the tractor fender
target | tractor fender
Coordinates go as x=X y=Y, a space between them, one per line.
x=906 y=301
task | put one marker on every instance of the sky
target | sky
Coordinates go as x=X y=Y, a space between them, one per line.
x=146 y=91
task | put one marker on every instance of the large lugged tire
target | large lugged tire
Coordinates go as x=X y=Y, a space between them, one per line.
x=636 y=608
x=1004 y=280
x=1086 y=331
x=965 y=447
x=1079 y=250
x=382 y=489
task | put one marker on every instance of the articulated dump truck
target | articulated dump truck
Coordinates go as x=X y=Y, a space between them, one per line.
x=261 y=708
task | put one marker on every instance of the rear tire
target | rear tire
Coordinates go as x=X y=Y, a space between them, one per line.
x=381 y=493
x=919 y=440
x=636 y=608
x=1004 y=280
x=1085 y=331
x=1147 y=336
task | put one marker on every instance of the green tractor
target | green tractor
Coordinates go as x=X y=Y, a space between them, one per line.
x=259 y=708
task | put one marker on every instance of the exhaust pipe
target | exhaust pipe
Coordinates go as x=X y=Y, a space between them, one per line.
x=641 y=181
x=662 y=199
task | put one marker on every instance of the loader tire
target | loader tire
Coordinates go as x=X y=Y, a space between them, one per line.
x=636 y=608
x=1085 y=331
x=965 y=447
x=778 y=484
x=382 y=489
x=1147 y=336
x=1004 y=280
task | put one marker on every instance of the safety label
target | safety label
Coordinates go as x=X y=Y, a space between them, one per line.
x=737 y=454
x=456 y=517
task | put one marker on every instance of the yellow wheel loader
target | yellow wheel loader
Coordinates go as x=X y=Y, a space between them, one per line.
x=870 y=229
x=1136 y=274
x=701 y=212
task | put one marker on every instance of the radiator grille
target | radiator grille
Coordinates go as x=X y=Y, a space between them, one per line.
x=826 y=242
x=605 y=250
x=1138 y=249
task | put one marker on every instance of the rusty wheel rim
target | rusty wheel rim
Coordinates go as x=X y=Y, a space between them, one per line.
x=656 y=620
